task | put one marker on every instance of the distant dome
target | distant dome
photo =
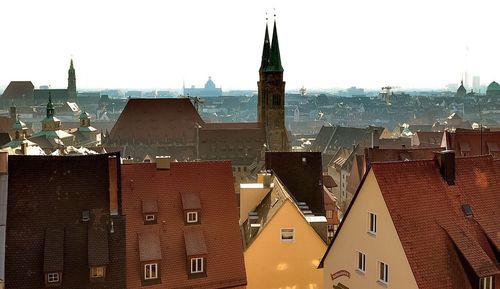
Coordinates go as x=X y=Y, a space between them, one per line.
x=210 y=84
x=493 y=89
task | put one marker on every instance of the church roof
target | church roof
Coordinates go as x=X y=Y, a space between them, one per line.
x=160 y=118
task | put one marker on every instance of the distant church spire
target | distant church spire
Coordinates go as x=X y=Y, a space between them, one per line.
x=71 y=82
x=50 y=106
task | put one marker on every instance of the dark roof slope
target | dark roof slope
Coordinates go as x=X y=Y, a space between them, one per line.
x=19 y=92
x=301 y=174
x=47 y=195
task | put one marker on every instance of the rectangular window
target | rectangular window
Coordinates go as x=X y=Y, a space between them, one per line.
x=329 y=214
x=197 y=265
x=150 y=218
x=96 y=272
x=486 y=282
x=150 y=271
x=361 y=262
x=383 y=272
x=192 y=217
x=330 y=227
x=53 y=278
x=372 y=227
x=287 y=235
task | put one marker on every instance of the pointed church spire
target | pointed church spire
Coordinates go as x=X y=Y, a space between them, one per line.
x=265 y=51
x=50 y=106
x=274 y=57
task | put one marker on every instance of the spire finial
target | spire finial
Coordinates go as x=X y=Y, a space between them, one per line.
x=266 y=18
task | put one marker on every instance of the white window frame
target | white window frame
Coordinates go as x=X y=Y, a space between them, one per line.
x=361 y=267
x=383 y=272
x=150 y=266
x=329 y=214
x=287 y=239
x=486 y=282
x=372 y=226
x=97 y=271
x=150 y=217
x=192 y=213
x=198 y=265
x=53 y=278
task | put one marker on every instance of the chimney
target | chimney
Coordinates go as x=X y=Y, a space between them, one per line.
x=163 y=162
x=24 y=148
x=113 y=185
x=129 y=160
x=446 y=161
x=264 y=178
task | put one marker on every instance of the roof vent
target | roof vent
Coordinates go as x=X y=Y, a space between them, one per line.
x=467 y=210
x=85 y=216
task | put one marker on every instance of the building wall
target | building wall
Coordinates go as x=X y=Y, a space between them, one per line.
x=385 y=246
x=271 y=263
x=250 y=197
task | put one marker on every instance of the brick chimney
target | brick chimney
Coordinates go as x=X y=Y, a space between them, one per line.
x=163 y=162
x=4 y=181
x=446 y=161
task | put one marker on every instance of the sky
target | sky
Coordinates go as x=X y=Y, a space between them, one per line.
x=157 y=44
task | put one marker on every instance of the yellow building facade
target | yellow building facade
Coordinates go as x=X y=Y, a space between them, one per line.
x=285 y=264
x=367 y=252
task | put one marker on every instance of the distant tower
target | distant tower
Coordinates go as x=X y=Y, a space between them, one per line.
x=271 y=94
x=461 y=91
x=71 y=83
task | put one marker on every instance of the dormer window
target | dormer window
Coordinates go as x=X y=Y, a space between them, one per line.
x=192 y=217
x=197 y=265
x=192 y=207
x=97 y=272
x=150 y=211
x=486 y=283
x=53 y=279
x=196 y=252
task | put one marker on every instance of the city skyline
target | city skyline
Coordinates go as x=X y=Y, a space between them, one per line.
x=324 y=44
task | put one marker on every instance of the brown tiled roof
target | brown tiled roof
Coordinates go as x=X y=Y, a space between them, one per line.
x=474 y=142
x=190 y=200
x=301 y=173
x=372 y=155
x=149 y=246
x=194 y=240
x=148 y=120
x=51 y=192
x=19 y=90
x=328 y=181
x=427 y=214
x=53 y=253
x=213 y=181
x=98 y=250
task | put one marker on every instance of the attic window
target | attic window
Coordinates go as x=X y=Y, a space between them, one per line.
x=85 y=216
x=486 y=283
x=467 y=210
x=150 y=211
x=52 y=278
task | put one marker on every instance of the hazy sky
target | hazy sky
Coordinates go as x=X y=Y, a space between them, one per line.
x=324 y=44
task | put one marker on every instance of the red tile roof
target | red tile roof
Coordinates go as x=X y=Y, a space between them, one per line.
x=213 y=181
x=440 y=242
x=427 y=214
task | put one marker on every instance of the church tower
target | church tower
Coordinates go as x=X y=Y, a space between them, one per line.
x=71 y=83
x=271 y=95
